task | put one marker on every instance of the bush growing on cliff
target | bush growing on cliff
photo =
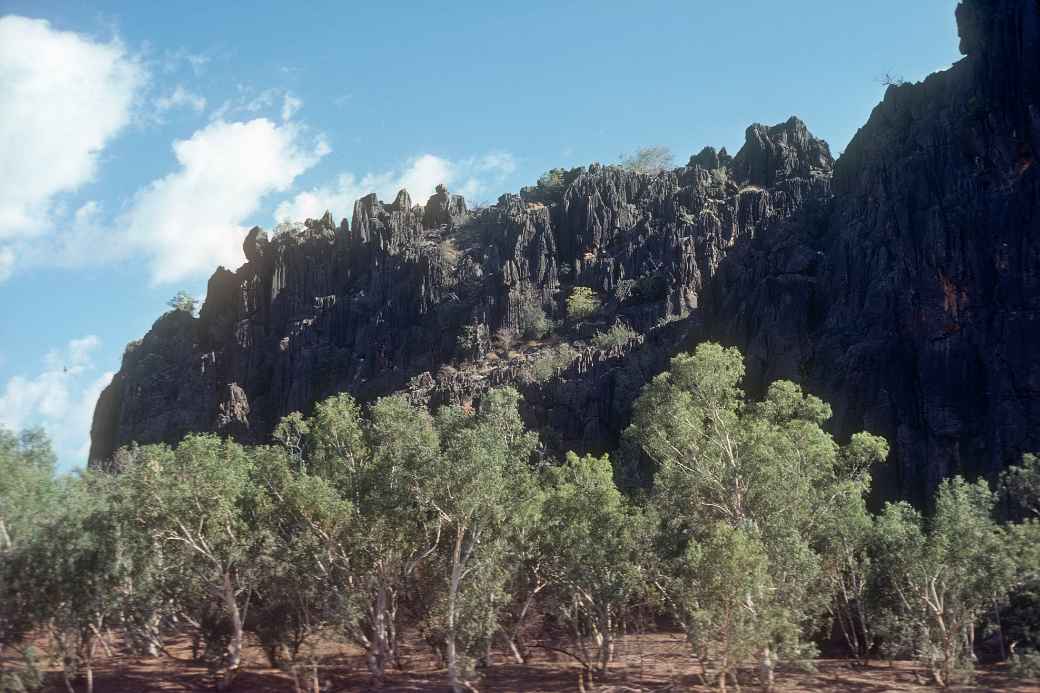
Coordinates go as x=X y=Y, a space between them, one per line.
x=618 y=335
x=582 y=303
x=534 y=322
x=183 y=301
x=551 y=361
x=648 y=160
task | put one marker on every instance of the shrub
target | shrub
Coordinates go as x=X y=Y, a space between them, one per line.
x=1025 y=666
x=183 y=301
x=582 y=303
x=533 y=321
x=549 y=362
x=648 y=160
x=616 y=336
x=504 y=339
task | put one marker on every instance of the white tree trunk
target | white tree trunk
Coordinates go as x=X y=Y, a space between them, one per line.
x=453 y=590
x=234 y=653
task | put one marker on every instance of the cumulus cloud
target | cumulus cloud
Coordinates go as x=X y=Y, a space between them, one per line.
x=192 y=219
x=65 y=96
x=180 y=98
x=60 y=398
x=470 y=177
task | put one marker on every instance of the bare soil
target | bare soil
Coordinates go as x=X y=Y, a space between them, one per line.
x=644 y=663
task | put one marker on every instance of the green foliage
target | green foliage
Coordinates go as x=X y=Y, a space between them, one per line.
x=551 y=185
x=940 y=577
x=648 y=160
x=474 y=341
x=1020 y=488
x=361 y=522
x=481 y=488
x=1020 y=618
x=183 y=301
x=201 y=506
x=593 y=544
x=618 y=335
x=760 y=481
x=27 y=485
x=582 y=303
x=1025 y=666
x=551 y=361
x=533 y=321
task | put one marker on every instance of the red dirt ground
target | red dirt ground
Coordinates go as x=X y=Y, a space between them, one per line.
x=645 y=663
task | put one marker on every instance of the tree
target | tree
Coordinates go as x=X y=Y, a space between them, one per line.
x=27 y=484
x=183 y=301
x=1020 y=488
x=77 y=572
x=762 y=478
x=722 y=588
x=582 y=303
x=29 y=496
x=480 y=488
x=593 y=540
x=299 y=585
x=533 y=321
x=200 y=502
x=648 y=160
x=362 y=511
x=941 y=576
x=844 y=544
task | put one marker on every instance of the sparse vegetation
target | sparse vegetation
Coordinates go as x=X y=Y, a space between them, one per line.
x=534 y=323
x=582 y=303
x=618 y=335
x=366 y=523
x=183 y=301
x=551 y=185
x=551 y=361
x=648 y=160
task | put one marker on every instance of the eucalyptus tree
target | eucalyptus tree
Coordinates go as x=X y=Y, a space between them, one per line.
x=299 y=584
x=482 y=488
x=28 y=494
x=199 y=502
x=594 y=543
x=372 y=531
x=76 y=569
x=762 y=478
x=942 y=574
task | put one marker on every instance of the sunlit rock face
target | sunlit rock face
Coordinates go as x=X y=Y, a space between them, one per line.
x=899 y=282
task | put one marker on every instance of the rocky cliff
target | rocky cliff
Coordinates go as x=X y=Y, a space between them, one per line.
x=901 y=283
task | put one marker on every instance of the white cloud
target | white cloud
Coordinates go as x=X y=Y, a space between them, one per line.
x=60 y=398
x=180 y=98
x=172 y=61
x=290 y=104
x=65 y=97
x=250 y=102
x=192 y=219
x=419 y=176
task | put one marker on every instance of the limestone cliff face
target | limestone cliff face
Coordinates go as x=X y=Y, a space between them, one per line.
x=916 y=308
x=901 y=283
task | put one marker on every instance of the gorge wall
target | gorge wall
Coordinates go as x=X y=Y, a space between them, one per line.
x=901 y=283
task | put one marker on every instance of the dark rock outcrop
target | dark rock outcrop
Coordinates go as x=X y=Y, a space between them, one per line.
x=914 y=309
x=901 y=283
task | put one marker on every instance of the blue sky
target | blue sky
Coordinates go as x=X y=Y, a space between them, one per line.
x=138 y=141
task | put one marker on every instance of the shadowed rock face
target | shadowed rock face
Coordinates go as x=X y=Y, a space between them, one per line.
x=920 y=316
x=900 y=283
